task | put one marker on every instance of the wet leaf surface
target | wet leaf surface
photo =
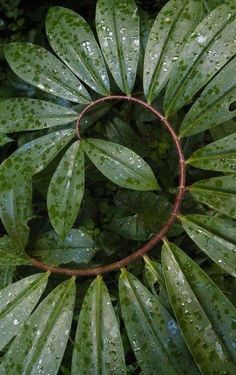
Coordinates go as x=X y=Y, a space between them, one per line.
x=11 y=254
x=117 y=25
x=169 y=33
x=98 y=347
x=66 y=190
x=206 y=317
x=216 y=237
x=154 y=335
x=16 y=211
x=215 y=104
x=42 y=69
x=212 y=44
x=39 y=346
x=23 y=114
x=17 y=301
x=78 y=247
x=218 y=193
x=32 y=157
x=217 y=156
x=120 y=165
x=82 y=55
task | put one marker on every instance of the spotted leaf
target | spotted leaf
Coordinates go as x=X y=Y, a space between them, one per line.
x=216 y=237
x=217 y=156
x=218 y=193
x=77 y=247
x=32 y=157
x=42 y=69
x=98 y=347
x=23 y=114
x=208 y=49
x=17 y=301
x=120 y=165
x=82 y=55
x=154 y=335
x=206 y=317
x=40 y=344
x=175 y=22
x=117 y=26
x=66 y=190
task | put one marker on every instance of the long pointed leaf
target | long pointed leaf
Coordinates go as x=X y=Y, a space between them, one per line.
x=66 y=190
x=82 y=54
x=214 y=105
x=120 y=165
x=205 y=315
x=23 y=114
x=153 y=333
x=16 y=211
x=98 y=347
x=32 y=157
x=217 y=156
x=117 y=26
x=4 y=139
x=208 y=49
x=42 y=69
x=11 y=254
x=168 y=35
x=17 y=301
x=78 y=247
x=216 y=237
x=40 y=345
x=218 y=193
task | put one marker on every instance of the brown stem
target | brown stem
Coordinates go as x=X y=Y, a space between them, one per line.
x=157 y=237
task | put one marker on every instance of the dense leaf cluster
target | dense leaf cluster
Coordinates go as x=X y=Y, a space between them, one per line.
x=94 y=199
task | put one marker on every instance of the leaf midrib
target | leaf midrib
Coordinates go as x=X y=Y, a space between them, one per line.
x=160 y=63
x=22 y=295
x=48 y=328
x=206 y=109
x=146 y=315
x=192 y=67
x=118 y=159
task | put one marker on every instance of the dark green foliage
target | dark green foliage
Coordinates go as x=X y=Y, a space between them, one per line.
x=94 y=200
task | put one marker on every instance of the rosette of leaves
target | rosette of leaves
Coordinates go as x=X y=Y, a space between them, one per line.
x=188 y=325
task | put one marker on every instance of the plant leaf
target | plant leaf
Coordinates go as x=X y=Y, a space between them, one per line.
x=135 y=215
x=6 y=276
x=16 y=211
x=4 y=139
x=32 y=157
x=78 y=247
x=217 y=156
x=117 y=26
x=82 y=55
x=40 y=345
x=168 y=35
x=154 y=335
x=17 y=301
x=23 y=114
x=98 y=347
x=66 y=190
x=210 y=46
x=154 y=275
x=42 y=69
x=120 y=165
x=218 y=193
x=119 y=131
x=206 y=317
x=11 y=254
x=216 y=237
x=214 y=105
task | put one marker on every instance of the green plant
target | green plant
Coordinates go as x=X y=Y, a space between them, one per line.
x=177 y=320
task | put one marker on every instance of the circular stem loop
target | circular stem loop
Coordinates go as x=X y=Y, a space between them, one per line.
x=175 y=209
